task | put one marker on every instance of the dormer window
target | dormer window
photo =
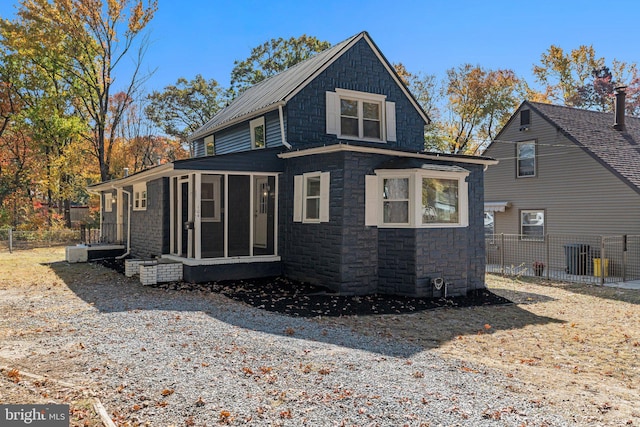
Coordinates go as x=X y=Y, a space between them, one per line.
x=360 y=116
x=258 y=136
x=209 y=146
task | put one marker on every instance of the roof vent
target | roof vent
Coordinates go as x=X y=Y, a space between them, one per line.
x=125 y=172
x=620 y=94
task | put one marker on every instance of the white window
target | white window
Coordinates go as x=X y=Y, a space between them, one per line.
x=108 y=202
x=526 y=159
x=532 y=224
x=258 y=136
x=395 y=200
x=311 y=197
x=210 y=198
x=140 y=197
x=209 y=146
x=417 y=198
x=360 y=115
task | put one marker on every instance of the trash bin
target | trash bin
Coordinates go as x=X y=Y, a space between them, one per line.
x=577 y=257
x=596 y=267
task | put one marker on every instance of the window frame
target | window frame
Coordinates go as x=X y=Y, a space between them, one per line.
x=108 y=202
x=140 y=196
x=415 y=177
x=361 y=98
x=253 y=125
x=536 y=237
x=306 y=197
x=519 y=158
x=397 y=200
x=216 y=181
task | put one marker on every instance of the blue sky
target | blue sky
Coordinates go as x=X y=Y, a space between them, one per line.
x=190 y=37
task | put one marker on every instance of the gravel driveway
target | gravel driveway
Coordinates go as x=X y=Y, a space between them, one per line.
x=160 y=357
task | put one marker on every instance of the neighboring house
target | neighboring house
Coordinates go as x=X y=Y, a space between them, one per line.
x=565 y=171
x=566 y=192
x=318 y=174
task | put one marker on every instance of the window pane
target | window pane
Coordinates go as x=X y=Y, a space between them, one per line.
x=207 y=190
x=208 y=209
x=489 y=224
x=532 y=224
x=313 y=186
x=258 y=132
x=532 y=218
x=396 y=212
x=313 y=208
x=349 y=126
x=348 y=108
x=396 y=188
x=526 y=167
x=371 y=110
x=439 y=201
x=371 y=129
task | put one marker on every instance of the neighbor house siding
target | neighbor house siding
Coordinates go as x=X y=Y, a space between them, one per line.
x=307 y=109
x=579 y=195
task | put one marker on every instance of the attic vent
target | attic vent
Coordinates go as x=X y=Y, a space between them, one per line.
x=525 y=120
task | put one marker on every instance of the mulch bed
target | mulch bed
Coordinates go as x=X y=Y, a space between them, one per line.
x=292 y=298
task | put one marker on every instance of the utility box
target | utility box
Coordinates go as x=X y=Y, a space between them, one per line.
x=578 y=257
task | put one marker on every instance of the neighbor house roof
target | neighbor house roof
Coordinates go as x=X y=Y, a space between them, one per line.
x=616 y=150
x=275 y=91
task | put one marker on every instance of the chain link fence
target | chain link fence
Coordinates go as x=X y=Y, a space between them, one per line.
x=11 y=240
x=573 y=258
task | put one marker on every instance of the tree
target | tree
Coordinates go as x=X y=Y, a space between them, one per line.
x=182 y=108
x=273 y=57
x=563 y=73
x=479 y=103
x=582 y=79
x=82 y=42
x=425 y=89
x=138 y=148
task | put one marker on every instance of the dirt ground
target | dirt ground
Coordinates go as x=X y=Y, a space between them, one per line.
x=575 y=348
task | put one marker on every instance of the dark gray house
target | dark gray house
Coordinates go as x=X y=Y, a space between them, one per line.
x=318 y=174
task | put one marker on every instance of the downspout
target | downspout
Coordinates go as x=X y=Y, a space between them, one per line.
x=126 y=254
x=282 y=133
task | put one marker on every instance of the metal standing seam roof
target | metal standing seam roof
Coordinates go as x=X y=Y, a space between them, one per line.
x=273 y=90
x=618 y=151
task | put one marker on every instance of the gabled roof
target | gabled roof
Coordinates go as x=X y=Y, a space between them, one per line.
x=592 y=131
x=275 y=91
x=618 y=151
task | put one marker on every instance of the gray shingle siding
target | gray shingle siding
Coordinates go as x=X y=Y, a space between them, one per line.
x=150 y=228
x=307 y=110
